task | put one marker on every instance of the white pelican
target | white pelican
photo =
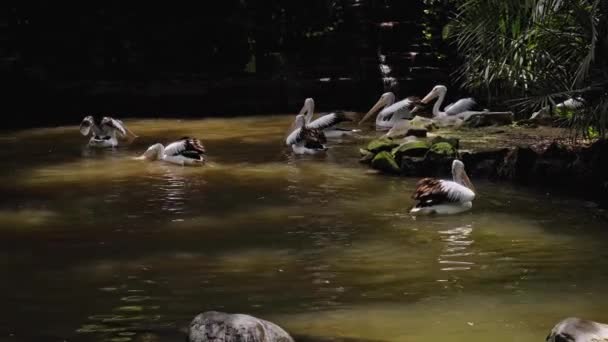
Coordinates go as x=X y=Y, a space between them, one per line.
x=460 y=108
x=305 y=140
x=186 y=152
x=105 y=133
x=437 y=196
x=326 y=122
x=391 y=112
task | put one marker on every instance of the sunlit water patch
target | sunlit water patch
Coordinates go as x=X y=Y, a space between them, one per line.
x=96 y=246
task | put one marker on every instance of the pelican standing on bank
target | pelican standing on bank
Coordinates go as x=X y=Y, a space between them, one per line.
x=461 y=108
x=391 y=112
x=328 y=123
x=105 y=133
x=185 y=152
x=304 y=139
x=443 y=197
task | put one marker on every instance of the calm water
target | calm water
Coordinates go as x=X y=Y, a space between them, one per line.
x=97 y=247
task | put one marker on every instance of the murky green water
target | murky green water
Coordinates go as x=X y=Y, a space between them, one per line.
x=97 y=247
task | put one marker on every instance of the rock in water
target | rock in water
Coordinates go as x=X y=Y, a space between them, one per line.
x=382 y=144
x=213 y=326
x=385 y=162
x=411 y=149
x=574 y=329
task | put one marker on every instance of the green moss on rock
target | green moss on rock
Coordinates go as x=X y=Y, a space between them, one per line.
x=385 y=162
x=382 y=144
x=441 y=151
x=411 y=149
x=455 y=142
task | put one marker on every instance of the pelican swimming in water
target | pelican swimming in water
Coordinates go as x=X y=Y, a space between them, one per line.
x=437 y=196
x=304 y=139
x=391 y=112
x=105 y=133
x=185 y=152
x=461 y=108
x=326 y=122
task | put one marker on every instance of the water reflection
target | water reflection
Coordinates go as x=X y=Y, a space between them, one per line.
x=100 y=247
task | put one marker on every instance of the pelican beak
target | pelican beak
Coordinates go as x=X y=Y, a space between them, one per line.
x=374 y=110
x=466 y=181
x=428 y=98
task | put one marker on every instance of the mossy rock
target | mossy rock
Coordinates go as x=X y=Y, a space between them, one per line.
x=442 y=150
x=366 y=156
x=455 y=142
x=411 y=149
x=385 y=162
x=382 y=144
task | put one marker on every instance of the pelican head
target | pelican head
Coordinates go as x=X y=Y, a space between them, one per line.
x=154 y=152
x=308 y=109
x=385 y=100
x=437 y=91
x=460 y=175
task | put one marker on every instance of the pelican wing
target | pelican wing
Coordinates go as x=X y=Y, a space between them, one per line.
x=460 y=106
x=114 y=124
x=431 y=191
x=402 y=109
x=329 y=120
x=86 y=124
x=294 y=137
x=186 y=146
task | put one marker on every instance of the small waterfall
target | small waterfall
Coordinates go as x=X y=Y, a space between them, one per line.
x=389 y=82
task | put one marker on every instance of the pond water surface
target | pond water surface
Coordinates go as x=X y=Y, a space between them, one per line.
x=95 y=246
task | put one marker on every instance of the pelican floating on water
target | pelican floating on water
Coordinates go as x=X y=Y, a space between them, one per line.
x=391 y=112
x=304 y=139
x=105 y=133
x=461 y=108
x=186 y=152
x=437 y=196
x=326 y=122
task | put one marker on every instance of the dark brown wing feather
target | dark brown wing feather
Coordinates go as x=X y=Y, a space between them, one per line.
x=429 y=192
x=194 y=145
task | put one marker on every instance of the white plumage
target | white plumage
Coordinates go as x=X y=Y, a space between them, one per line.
x=435 y=196
x=186 y=152
x=389 y=111
x=327 y=123
x=106 y=133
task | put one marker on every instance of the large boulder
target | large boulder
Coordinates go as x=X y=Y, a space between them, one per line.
x=382 y=144
x=574 y=329
x=213 y=326
x=385 y=162
x=455 y=142
x=483 y=119
x=416 y=148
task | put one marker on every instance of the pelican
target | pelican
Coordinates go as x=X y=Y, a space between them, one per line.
x=105 y=133
x=391 y=112
x=437 y=196
x=185 y=152
x=305 y=140
x=460 y=108
x=326 y=122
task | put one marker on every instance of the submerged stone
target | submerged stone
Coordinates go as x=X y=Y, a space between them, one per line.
x=385 y=162
x=366 y=156
x=213 y=326
x=382 y=144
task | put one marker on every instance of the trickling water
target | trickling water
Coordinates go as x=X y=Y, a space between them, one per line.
x=95 y=246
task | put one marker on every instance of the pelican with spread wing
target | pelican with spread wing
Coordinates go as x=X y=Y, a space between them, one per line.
x=304 y=139
x=105 y=132
x=444 y=197
x=389 y=113
x=328 y=122
x=185 y=152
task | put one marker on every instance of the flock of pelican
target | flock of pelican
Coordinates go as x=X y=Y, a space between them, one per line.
x=309 y=136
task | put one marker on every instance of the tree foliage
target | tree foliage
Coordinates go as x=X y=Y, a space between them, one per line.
x=538 y=51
